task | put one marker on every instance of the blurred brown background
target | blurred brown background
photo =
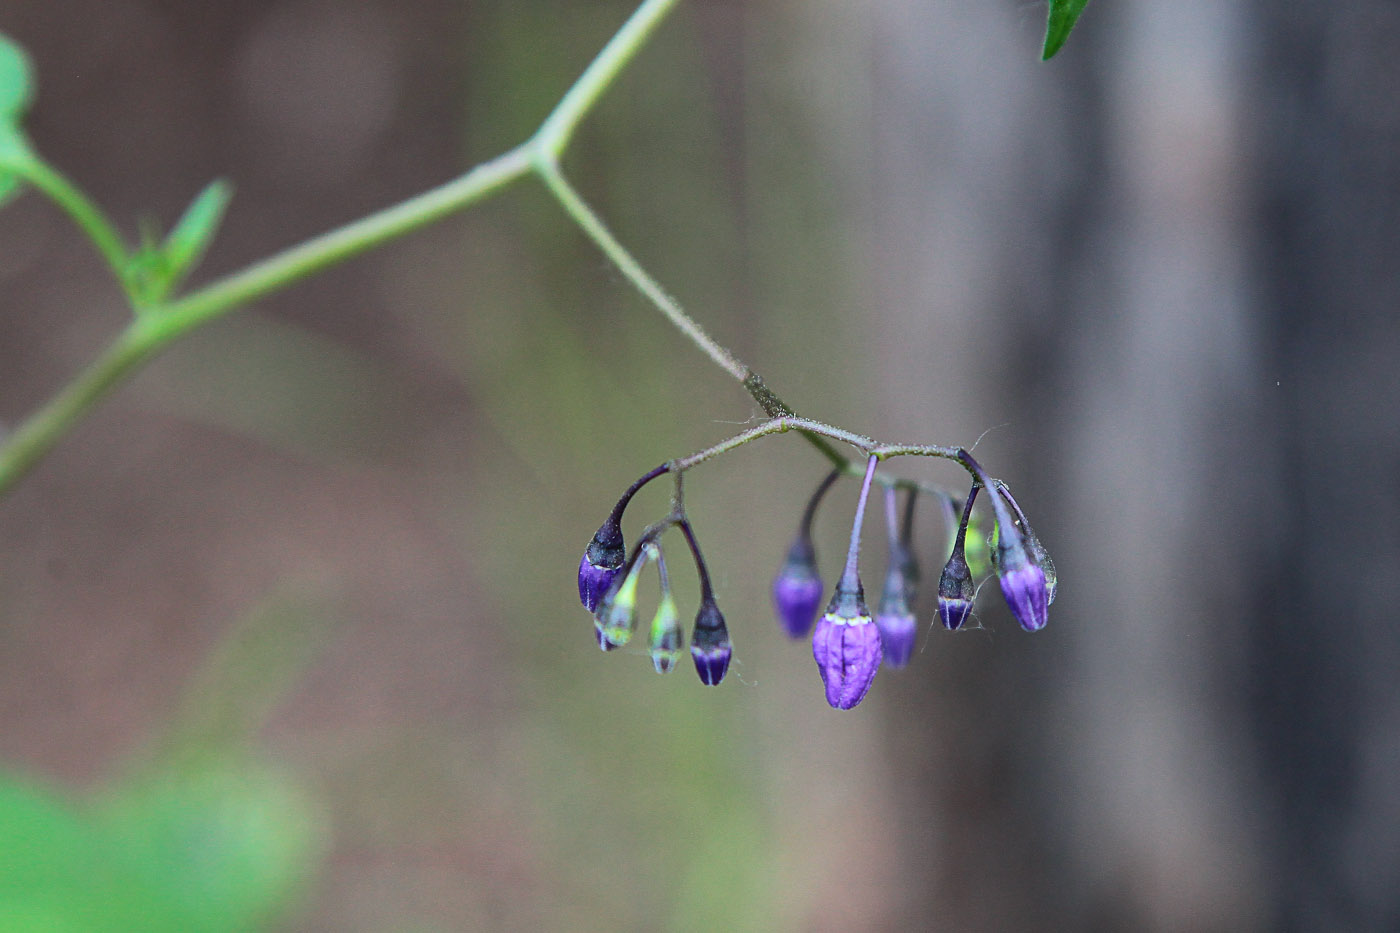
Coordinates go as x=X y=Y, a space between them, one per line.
x=1162 y=267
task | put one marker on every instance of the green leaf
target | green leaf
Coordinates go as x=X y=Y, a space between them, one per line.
x=16 y=93
x=1063 y=15
x=194 y=231
x=58 y=873
x=156 y=268
x=227 y=842
x=16 y=80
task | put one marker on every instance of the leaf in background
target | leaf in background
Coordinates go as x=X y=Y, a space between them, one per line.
x=59 y=873
x=16 y=93
x=227 y=841
x=1063 y=15
x=16 y=80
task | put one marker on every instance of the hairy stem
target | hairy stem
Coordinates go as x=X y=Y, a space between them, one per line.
x=850 y=577
x=599 y=233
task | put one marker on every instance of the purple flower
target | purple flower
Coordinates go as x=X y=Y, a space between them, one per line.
x=601 y=563
x=1022 y=583
x=593 y=582
x=898 y=629
x=710 y=647
x=797 y=590
x=956 y=590
x=847 y=648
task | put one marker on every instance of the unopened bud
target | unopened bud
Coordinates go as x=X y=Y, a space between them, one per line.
x=667 y=638
x=847 y=648
x=1022 y=582
x=899 y=631
x=1024 y=569
x=956 y=591
x=601 y=563
x=710 y=647
x=797 y=590
x=616 y=617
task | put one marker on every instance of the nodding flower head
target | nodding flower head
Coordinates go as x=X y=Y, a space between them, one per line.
x=710 y=647
x=667 y=638
x=1021 y=566
x=616 y=616
x=895 y=620
x=1022 y=582
x=956 y=590
x=601 y=563
x=899 y=631
x=847 y=648
x=797 y=590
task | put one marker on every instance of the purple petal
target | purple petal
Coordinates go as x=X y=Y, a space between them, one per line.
x=848 y=653
x=899 y=632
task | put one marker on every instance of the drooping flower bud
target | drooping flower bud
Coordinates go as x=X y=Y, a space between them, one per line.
x=797 y=590
x=1023 y=580
x=847 y=648
x=898 y=629
x=667 y=637
x=956 y=590
x=603 y=558
x=616 y=617
x=1038 y=554
x=601 y=563
x=710 y=647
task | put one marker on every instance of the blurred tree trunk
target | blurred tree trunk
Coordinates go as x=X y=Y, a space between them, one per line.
x=1323 y=633
x=1063 y=252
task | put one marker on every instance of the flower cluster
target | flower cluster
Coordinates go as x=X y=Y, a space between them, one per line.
x=608 y=577
x=848 y=643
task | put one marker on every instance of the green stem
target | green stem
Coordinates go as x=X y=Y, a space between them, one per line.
x=87 y=215
x=329 y=249
x=868 y=446
x=161 y=324
x=43 y=429
x=598 y=232
x=558 y=128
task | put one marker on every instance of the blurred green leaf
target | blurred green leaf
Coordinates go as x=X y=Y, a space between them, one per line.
x=227 y=843
x=194 y=231
x=1063 y=15
x=59 y=873
x=16 y=92
x=16 y=80
x=156 y=268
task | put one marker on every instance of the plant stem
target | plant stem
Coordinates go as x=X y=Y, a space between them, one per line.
x=161 y=324
x=87 y=215
x=558 y=128
x=599 y=233
x=328 y=249
x=850 y=578
x=37 y=435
